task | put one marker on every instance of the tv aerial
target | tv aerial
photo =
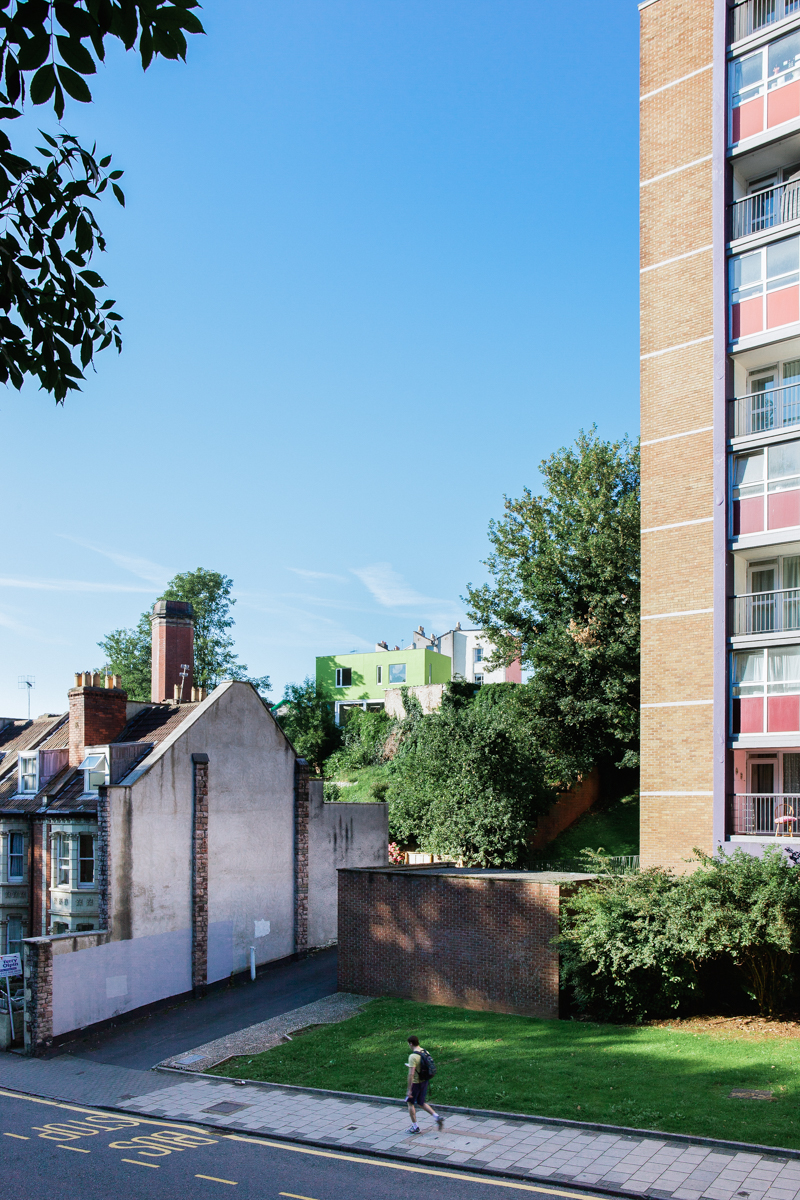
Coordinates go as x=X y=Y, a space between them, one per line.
x=28 y=682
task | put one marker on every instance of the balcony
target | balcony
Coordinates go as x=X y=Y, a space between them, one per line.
x=763 y=412
x=767 y=209
x=753 y=15
x=772 y=815
x=766 y=612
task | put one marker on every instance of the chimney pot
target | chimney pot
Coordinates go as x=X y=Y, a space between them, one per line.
x=97 y=715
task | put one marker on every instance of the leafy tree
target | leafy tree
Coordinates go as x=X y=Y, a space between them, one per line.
x=466 y=782
x=565 y=600
x=128 y=650
x=52 y=316
x=363 y=741
x=305 y=717
x=640 y=945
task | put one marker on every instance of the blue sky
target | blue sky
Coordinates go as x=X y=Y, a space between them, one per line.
x=379 y=258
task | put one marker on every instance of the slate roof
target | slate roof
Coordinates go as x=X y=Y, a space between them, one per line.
x=155 y=723
x=50 y=731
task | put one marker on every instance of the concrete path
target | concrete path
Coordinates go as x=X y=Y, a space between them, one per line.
x=255 y=1039
x=142 y=1043
x=614 y=1160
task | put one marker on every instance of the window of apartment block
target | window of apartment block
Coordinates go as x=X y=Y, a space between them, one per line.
x=344 y=676
x=379 y=674
x=765 y=88
x=61 y=849
x=16 y=858
x=85 y=860
x=14 y=935
x=397 y=673
x=765 y=291
x=478 y=654
x=766 y=489
x=27 y=773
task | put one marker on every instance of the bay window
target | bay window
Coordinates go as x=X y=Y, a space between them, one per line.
x=764 y=288
x=85 y=860
x=765 y=88
x=16 y=858
x=61 y=860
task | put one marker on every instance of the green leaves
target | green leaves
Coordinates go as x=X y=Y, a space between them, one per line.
x=74 y=85
x=76 y=55
x=43 y=84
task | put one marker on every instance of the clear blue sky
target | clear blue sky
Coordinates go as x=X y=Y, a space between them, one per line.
x=378 y=260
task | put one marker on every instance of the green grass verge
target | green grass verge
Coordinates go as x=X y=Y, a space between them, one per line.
x=366 y=784
x=652 y=1078
x=614 y=827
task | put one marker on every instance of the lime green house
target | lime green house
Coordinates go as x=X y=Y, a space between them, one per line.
x=361 y=679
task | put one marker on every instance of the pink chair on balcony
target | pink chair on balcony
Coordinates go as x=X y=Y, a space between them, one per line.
x=785 y=819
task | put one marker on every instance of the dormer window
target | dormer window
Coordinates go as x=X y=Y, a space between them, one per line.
x=95 y=772
x=28 y=773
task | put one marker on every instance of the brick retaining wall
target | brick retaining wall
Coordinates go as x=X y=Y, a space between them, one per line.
x=472 y=939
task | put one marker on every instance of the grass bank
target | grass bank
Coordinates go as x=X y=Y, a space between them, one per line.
x=654 y=1077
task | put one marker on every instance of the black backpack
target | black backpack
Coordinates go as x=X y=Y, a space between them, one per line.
x=427 y=1067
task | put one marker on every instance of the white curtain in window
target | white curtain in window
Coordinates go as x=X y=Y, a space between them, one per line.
x=784 y=664
x=749 y=667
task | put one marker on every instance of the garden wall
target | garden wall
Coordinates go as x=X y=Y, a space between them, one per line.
x=478 y=939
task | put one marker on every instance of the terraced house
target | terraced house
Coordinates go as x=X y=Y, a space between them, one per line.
x=152 y=849
x=720 y=374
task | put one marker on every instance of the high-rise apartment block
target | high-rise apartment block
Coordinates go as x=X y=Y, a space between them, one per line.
x=720 y=378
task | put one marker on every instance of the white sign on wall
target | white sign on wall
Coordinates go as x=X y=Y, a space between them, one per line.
x=10 y=964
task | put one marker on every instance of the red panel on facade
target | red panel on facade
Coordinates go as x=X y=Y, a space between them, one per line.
x=783 y=104
x=747 y=317
x=748 y=715
x=783 y=307
x=783 y=509
x=748 y=119
x=748 y=515
x=514 y=672
x=783 y=714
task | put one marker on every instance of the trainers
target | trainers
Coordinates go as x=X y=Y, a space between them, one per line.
x=440 y=1122
x=413 y=1129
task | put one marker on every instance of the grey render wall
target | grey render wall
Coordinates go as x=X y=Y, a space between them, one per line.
x=250 y=836
x=339 y=835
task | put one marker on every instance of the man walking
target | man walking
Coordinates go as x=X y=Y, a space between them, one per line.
x=417 y=1089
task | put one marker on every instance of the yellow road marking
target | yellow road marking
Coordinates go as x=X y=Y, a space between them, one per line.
x=77 y=1149
x=137 y=1162
x=214 y=1179
x=295 y=1196
x=21 y=1136
x=485 y=1180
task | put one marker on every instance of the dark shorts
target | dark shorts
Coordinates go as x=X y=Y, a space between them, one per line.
x=419 y=1091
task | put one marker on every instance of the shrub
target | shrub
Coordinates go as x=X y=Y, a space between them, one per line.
x=363 y=740
x=641 y=945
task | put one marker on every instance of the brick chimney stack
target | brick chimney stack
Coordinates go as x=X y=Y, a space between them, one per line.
x=173 y=648
x=97 y=713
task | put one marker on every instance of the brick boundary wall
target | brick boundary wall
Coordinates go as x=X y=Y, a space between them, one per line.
x=301 y=814
x=38 y=995
x=461 y=938
x=200 y=873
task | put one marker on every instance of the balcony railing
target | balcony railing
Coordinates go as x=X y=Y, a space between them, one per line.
x=775 y=815
x=752 y=15
x=763 y=411
x=765 y=210
x=766 y=612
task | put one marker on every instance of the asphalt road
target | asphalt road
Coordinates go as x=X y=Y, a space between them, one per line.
x=54 y=1151
x=143 y=1043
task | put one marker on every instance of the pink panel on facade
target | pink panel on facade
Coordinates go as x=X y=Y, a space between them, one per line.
x=748 y=715
x=783 y=714
x=748 y=515
x=747 y=317
x=783 y=307
x=514 y=672
x=747 y=119
x=783 y=509
x=783 y=104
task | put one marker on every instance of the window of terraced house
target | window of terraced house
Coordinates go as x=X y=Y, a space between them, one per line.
x=16 y=858
x=85 y=860
x=62 y=860
x=344 y=676
x=397 y=673
x=27 y=772
x=14 y=936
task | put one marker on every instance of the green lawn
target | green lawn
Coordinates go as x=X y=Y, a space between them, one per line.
x=613 y=826
x=649 y=1077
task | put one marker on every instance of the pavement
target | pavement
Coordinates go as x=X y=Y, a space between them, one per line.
x=536 y=1150
x=143 y=1043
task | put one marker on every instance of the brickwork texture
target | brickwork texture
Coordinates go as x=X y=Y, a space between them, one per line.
x=469 y=941
x=38 y=995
